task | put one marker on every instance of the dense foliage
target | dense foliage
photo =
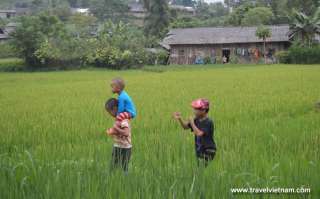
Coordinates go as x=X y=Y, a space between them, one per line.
x=52 y=35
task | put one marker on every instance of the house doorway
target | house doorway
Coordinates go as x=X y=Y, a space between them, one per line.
x=225 y=55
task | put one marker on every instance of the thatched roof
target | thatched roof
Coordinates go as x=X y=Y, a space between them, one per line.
x=7 y=11
x=182 y=8
x=222 y=35
x=4 y=36
x=7 y=30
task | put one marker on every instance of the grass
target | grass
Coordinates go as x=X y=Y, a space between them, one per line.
x=53 y=143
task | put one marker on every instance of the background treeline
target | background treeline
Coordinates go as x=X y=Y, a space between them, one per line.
x=51 y=35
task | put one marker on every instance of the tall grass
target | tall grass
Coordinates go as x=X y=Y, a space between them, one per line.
x=53 y=143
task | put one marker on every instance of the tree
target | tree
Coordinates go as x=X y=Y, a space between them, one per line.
x=263 y=33
x=33 y=32
x=234 y=3
x=305 y=27
x=158 y=18
x=308 y=7
x=236 y=17
x=81 y=25
x=117 y=45
x=207 y=11
x=281 y=8
x=114 y=10
x=280 y=11
x=257 y=16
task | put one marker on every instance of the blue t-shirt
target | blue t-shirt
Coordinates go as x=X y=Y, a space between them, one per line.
x=125 y=104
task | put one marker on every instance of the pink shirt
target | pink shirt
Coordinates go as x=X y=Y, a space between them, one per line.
x=123 y=141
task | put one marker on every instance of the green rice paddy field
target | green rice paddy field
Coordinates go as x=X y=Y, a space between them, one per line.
x=53 y=145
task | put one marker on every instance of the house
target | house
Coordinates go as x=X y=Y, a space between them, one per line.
x=6 y=31
x=23 y=11
x=7 y=14
x=183 y=10
x=235 y=44
x=3 y=37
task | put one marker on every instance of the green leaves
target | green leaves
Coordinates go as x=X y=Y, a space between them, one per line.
x=33 y=34
x=304 y=27
x=158 y=18
x=117 y=46
x=257 y=16
x=263 y=32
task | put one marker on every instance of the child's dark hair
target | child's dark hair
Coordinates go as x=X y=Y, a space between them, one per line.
x=111 y=103
x=119 y=81
x=207 y=110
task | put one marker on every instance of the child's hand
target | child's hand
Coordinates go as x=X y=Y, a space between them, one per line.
x=177 y=115
x=110 y=131
x=117 y=124
x=191 y=120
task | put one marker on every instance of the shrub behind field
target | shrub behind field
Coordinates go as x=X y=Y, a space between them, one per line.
x=12 y=64
x=300 y=55
x=115 y=45
x=7 y=50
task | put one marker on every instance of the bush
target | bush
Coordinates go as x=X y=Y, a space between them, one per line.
x=12 y=65
x=46 y=43
x=118 y=46
x=207 y=60
x=218 y=60
x=110 y=57
x=283 y=57
x=34 y=33
x=162 y=57
x=300 y=55
x=7 y=51
x=234 y=60
x=147 y=57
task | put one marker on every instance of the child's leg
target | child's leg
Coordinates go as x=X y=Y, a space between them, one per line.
x=116 y=156
x=125 y=159
x=202 y=162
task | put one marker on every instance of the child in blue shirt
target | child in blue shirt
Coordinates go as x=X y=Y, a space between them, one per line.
x=126 y=106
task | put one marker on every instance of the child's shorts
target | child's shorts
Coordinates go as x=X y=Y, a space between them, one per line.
x=205 y=157
x=120 y=158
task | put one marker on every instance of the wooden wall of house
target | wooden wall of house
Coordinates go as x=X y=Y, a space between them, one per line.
x=187 y=54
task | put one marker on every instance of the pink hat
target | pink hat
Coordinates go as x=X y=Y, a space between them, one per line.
x=200 y=104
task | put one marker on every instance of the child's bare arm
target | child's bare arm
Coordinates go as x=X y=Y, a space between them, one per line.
x=121 y=131
x=184 y=124
x=195 y=129
x=111 y=131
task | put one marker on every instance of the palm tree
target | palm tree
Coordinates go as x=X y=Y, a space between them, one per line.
x=305 y=27
x=263 y=33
